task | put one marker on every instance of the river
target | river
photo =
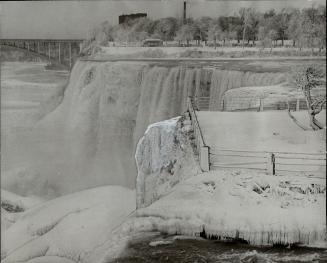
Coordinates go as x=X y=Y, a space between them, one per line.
x=173 y=249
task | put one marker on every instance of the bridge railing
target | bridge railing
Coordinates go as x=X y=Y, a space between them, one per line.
x=201 y=148
x=62 y=51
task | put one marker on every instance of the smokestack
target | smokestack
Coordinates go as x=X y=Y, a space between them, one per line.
x=184 y=12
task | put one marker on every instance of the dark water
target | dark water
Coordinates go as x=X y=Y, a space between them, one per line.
x=206 y=251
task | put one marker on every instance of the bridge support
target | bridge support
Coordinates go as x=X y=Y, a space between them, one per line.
x=64 y=54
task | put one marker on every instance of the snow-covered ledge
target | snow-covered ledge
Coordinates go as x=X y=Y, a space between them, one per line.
x=164 y=156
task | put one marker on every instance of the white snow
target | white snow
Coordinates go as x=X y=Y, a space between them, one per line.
x=71 y=226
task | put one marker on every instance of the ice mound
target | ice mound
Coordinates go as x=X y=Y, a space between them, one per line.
x=67 y=229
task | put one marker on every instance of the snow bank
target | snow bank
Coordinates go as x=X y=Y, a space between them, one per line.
x=260 y=209
x=164 y=157
x=67 y=228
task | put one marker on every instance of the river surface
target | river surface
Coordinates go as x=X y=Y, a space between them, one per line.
x=183 y=250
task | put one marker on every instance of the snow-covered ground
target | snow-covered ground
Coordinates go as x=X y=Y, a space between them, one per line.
x=259 y=131
x=244 y=204
x=176 y=51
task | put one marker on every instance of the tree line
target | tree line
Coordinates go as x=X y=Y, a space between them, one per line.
x=304 y=28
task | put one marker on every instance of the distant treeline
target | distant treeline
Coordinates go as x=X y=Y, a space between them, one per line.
x=305 y=28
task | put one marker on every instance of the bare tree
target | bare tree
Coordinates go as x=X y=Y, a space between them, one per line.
x=185 y=33
x=308 y=78
x=267 y=37
x=215 y=33
x=247 y=16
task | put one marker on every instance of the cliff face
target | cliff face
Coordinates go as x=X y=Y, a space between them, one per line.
x=164 y=156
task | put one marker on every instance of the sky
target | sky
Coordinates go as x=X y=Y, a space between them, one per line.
x=74 y=19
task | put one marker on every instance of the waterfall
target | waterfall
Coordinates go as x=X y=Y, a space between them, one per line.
x=106 y=109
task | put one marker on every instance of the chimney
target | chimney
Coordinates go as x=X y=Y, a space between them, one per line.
x=184 y=12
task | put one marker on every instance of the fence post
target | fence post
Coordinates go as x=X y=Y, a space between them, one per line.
x=204 y=158
x=261 y=104
x=271 y=163
x=297 y=104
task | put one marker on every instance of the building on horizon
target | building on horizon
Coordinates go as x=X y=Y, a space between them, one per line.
x=125 y=18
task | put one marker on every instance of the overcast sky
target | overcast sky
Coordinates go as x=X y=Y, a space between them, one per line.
x=73 y=19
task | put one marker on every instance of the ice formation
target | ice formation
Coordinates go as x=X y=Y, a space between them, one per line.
x=252 y=206
x=164 y=157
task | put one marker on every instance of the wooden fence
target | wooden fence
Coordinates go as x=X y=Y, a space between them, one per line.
x=201 y=148
x=252 y=104
x=274 y=163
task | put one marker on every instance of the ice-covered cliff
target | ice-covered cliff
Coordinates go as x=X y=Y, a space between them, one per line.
x=164 y=157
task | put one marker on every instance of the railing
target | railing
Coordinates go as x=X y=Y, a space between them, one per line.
x=306 y=163
x=274 y=163
x=262 y=104
x=202 y=103
x=62 y=51
x=201 y=148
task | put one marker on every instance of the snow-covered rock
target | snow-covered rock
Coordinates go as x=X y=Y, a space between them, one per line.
x=164 y=156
